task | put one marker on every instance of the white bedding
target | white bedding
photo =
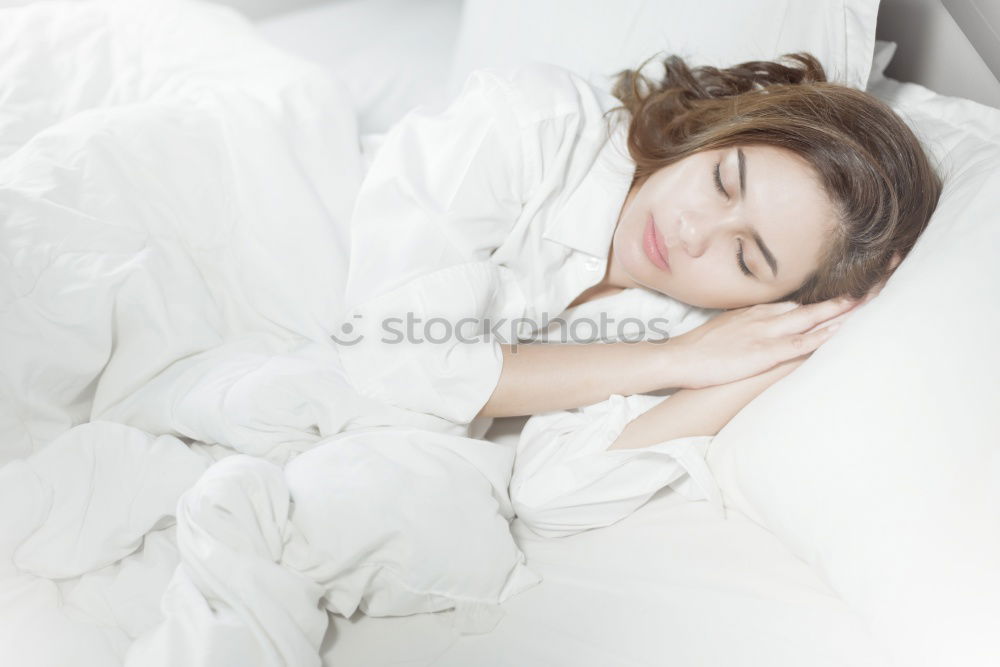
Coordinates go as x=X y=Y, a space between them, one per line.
x=392 y=55
x=671 y=584
x=174 y=195
x=205 y=254
x=160 y=201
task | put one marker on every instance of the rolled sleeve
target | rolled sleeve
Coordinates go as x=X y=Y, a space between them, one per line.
x=427 y=346
x=565 y=479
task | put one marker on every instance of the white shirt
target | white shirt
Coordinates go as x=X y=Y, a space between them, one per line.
x=502 y=206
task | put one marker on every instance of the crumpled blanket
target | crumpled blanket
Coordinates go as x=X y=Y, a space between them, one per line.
x=187 y=476
x=174 y=198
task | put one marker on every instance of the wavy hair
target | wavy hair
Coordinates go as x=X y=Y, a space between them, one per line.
x=871 y=165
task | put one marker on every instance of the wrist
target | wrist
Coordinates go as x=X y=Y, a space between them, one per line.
x=665 y=366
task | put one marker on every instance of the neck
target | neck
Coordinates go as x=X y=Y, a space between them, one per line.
x=612 y=276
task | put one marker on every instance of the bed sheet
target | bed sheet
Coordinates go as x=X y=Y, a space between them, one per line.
x=671 y=584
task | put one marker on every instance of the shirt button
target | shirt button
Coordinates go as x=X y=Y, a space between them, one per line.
x=592 y=264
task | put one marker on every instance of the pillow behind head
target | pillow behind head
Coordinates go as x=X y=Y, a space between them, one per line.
x=878 y=460
x=884 y=52
x=596 y=38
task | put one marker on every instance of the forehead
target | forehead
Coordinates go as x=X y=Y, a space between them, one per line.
x=786 y=204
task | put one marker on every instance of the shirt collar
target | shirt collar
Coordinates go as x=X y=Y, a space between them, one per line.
x=586 y=222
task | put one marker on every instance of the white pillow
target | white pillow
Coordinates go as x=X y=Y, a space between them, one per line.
x=392 y=54
x=596 y=38
x=878 y=460
x=884 y=52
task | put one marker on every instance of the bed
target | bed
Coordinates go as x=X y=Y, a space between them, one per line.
x=862 y=527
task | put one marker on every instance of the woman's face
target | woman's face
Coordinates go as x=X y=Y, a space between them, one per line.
x=769 y=194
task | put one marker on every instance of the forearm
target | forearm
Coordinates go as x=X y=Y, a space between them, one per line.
x=693 y=412
x=541 y=377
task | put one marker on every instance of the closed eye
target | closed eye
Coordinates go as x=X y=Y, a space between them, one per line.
x=718 y=180
x=743 y=265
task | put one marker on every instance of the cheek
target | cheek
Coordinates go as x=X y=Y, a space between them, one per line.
x=715 y=277
x=628 y=244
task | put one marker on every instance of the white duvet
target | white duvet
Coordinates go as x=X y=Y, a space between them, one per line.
x=173 y=197
x=171 y=188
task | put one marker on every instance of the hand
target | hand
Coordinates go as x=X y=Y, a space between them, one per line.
x=703 y=411
x=745 y=342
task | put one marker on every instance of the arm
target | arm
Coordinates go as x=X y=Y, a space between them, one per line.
x=691 y=412
x=545 y=377
x=541 y=377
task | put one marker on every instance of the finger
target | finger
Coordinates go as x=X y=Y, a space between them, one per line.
x=833 y=320
x=803 y=343
x=839 y=319
x=805 y=318
x=777 y=308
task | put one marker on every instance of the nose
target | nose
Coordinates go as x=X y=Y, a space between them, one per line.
x=693 y=234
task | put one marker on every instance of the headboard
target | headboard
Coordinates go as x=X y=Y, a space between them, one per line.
x=949 y=46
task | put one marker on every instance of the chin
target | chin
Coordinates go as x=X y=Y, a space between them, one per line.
x=650 y=276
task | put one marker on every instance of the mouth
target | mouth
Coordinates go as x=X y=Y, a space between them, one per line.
x=654 y=247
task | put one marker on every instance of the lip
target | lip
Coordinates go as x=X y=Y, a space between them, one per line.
x=653 y=246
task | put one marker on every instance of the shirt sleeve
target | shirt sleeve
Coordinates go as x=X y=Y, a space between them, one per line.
x=442 y=193
x=565 y=479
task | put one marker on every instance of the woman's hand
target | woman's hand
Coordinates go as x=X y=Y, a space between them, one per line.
x=744 y=342
x=693 y=412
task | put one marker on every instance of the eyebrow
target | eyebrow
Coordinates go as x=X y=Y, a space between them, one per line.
x=764 y=250
x=742 y=161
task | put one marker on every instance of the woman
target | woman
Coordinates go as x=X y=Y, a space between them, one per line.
x=761 y=189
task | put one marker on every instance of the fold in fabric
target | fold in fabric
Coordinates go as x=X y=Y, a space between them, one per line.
x=565 y=479
x=391 y=521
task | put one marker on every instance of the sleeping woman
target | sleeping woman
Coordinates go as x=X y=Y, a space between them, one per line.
x=748 y=210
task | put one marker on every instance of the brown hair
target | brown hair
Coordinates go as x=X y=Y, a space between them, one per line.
x=872 y=167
